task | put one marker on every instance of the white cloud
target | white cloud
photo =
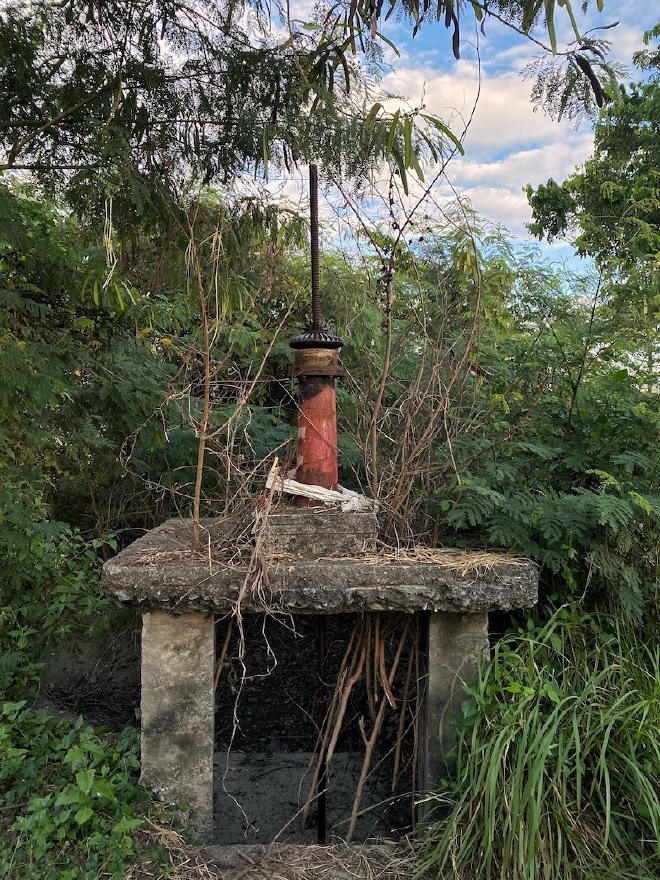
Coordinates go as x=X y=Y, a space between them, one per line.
x=496 y=188
x=507 y=146
x=554 y=159
x=500 y=204
x=504 y=117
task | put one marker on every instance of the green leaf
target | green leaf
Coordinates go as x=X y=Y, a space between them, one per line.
x=75 y=755
x=392 y=134
x=84 y=780
x=389 y=43
x=102 y=788
x=415 y=164
x=556 y=642
x=83 y=815
x=553 y=694
x=430 y=145
x=120 y=299
x=70 y=795
x=446 y=131
x=569 y=10
x=641 y=502
x=407 y=142
x=347 y=74
x=550 y=22
x=402 y=168
x=126 y=824
x=371 y=116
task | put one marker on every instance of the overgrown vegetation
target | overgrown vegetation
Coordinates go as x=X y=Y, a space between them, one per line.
x=559 y=759
x=491 y=400
x=73 y=798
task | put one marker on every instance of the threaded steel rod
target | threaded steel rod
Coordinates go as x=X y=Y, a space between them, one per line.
x=314 y=246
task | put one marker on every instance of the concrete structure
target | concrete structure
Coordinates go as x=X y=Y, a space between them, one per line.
x=180 y=590
x=177 y=710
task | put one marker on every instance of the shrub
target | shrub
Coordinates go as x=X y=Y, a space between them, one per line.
x=559 y=759
x=71 y=798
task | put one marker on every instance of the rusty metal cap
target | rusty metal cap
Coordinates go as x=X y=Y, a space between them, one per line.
x=321 y=337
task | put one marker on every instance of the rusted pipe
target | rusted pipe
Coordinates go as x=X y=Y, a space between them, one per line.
x=317 y=417
x=317 y=365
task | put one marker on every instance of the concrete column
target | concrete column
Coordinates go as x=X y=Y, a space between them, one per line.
x=178 y=703
x=453 y=646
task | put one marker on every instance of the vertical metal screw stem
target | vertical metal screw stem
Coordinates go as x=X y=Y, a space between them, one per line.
x=314 y=243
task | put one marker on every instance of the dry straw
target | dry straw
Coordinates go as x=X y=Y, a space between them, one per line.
x=279 y=861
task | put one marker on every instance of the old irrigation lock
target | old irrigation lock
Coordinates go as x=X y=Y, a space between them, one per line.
x=306 y=683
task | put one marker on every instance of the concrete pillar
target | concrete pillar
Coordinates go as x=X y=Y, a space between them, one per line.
x=178 y=656
x=453 y=647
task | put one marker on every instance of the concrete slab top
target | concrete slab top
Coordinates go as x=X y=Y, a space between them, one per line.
x=161 y=570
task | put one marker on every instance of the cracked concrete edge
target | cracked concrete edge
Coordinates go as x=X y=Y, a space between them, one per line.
x=339 y=586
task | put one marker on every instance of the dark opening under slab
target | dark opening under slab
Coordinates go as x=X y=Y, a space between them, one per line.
x=262 y=782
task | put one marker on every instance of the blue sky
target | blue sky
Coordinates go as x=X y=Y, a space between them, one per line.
x=508 y=144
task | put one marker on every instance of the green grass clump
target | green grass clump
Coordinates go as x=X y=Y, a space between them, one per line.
x=558 y=760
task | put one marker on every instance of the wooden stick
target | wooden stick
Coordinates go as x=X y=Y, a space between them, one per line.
x=387 y=690
x=368 y=677
x=418 y=711
x=344 y=700
x=222 y=655
x=346 y=497
x=338 y=707
x=402 y=721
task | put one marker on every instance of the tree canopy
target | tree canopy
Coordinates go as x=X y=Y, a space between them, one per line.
x=612 y=205
x=130 y=100
x=610 y=208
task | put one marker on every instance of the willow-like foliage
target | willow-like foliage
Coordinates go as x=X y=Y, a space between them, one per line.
x=125 y=100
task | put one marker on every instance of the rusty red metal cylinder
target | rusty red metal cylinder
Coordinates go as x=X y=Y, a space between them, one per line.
x=317 y=433
x=316 y=369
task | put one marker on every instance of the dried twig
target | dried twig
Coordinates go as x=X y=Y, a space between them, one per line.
x=402 y=718
x=371 y=742
x=223 y=653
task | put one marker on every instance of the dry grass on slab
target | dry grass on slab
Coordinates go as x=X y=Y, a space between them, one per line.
x=465 y=562
x=276 y=862
x=235 y=554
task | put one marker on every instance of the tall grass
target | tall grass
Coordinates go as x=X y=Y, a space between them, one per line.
x=559 y=760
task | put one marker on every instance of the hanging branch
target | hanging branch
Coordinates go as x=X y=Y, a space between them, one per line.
x=222 y=655
x=405 y=700
x=206 y=405
x=373 y=738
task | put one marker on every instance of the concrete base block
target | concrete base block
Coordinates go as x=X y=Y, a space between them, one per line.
x=178 y=654
x=311 y=533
